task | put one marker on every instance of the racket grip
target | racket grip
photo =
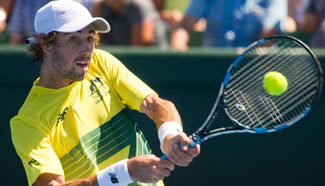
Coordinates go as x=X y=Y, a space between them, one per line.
x=180 y=146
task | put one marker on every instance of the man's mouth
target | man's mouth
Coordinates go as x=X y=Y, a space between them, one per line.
x=84 y=65
x=83 y=62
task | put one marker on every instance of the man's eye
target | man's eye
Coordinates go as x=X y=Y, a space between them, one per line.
x=73 y=39
x=90 y=39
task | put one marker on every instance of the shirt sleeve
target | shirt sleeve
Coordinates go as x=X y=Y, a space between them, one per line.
x=129 y=87
x=34 y=149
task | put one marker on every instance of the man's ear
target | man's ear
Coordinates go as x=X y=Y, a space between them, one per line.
x=46 y=47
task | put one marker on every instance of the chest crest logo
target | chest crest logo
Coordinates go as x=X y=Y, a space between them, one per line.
x=98 y=90
x=95 y=84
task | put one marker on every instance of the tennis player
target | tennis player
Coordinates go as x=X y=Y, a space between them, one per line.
x=73 y=128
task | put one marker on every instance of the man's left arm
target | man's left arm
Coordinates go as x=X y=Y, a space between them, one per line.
x=168 y=121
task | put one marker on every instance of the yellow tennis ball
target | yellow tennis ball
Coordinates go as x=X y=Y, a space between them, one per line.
x=275 y=83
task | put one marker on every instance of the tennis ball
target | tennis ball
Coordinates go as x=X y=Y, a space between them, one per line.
x=275 y=83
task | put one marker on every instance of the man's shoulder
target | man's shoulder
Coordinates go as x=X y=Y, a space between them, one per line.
x=98 y=51
x=103 y=58
x=37 y=108
x=100 y=56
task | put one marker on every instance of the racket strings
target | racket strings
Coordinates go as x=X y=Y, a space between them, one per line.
x=302 y=80
x=244 y=69
x=257 y=70
x=241 y=106
x=267 y=111
x=270 y=109
x=257 y=93
x=278 y=115
x=246 y=83
x=270 y=113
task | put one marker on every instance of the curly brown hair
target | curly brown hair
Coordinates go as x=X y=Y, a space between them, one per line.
x=35 y=50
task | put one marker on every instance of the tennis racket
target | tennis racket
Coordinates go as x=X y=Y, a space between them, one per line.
x=244 y=99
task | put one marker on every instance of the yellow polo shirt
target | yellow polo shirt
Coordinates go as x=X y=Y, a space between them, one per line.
x=77 y=130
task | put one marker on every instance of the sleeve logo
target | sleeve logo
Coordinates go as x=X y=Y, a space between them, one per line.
x=33 y=161
x=114 y=179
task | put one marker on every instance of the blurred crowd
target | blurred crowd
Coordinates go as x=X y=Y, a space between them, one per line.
x=223 y=23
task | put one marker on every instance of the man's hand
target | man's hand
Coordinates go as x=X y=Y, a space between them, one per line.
x=161 y=111
x=180 y=156
x=149 y=168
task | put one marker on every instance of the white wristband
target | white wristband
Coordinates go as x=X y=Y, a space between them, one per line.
x=116 y=174
x=169 y=127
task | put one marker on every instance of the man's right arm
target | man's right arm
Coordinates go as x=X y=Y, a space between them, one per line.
x=147 y=169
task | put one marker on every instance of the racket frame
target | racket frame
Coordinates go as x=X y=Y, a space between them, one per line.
x=202 y=134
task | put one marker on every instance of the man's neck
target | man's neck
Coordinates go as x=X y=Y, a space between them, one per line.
x=52 y=80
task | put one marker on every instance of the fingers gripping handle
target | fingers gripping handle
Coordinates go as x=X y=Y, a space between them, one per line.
x=195 y=140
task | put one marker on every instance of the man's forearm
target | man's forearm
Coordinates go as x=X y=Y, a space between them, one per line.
x=160 y=110
x=56 y=180
x=92 y=181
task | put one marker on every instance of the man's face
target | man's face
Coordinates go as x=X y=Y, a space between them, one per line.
x=71 y=54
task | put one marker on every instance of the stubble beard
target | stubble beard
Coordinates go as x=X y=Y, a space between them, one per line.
x=59 y=62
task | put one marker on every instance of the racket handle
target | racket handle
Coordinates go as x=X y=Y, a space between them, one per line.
x=180 y=146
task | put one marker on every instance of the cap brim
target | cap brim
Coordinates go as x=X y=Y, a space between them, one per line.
x=100 y=25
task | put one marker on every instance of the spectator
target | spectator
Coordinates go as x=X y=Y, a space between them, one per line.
x=296 y=10
x=314 y=23
x=134 y=23
x=171 y=17
x=231 y=23
x=22 y=18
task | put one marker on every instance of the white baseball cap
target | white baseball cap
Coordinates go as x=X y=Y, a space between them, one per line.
x=66 y=16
